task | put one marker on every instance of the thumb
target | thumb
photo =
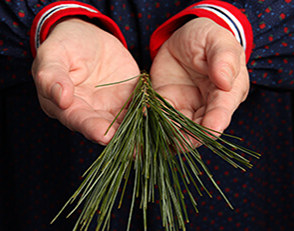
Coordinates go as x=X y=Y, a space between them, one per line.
x=53 y=83
x=224 y=56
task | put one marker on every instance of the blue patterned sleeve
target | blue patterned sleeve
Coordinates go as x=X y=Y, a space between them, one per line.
x=16 y=18
x=272 y=62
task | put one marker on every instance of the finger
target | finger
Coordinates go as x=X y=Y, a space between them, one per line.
x=92 y=124
x=217 y=118
x=224 y=56
x=222 y=104
x=81 y=117
x=53 y=82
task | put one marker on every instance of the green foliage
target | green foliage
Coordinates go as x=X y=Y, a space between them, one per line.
x=154 y=141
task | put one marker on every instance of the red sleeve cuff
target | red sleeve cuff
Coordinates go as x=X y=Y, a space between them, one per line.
x=221 y=12
x=57 y=10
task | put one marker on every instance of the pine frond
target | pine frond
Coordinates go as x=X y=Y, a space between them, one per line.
x=161 y=138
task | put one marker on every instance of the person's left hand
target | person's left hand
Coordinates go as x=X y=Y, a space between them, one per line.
x=201 y=70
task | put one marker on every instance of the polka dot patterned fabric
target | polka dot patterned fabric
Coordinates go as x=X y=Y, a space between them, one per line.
x=41 y=161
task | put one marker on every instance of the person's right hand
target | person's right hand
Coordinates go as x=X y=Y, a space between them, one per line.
x=76 y=57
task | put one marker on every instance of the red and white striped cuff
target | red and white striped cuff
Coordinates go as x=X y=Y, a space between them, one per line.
x=57 y=10
x=220 y=12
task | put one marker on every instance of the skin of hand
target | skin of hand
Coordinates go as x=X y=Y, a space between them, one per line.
x=201 y=70
x=75 y=57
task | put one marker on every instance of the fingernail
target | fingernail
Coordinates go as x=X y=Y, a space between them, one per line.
x=99 y=143
x=56 y=92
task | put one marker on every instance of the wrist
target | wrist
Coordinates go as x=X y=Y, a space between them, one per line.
x=64 y=19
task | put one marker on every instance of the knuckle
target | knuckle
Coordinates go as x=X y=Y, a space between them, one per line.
x=244 y=94
x=42 y=81
x=245 y=90
x=41 y=75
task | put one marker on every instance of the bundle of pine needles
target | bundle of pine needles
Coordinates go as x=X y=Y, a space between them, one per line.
x=160 y=136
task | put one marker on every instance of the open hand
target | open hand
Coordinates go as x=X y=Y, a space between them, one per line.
x=201 y=70
x=76 y=57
